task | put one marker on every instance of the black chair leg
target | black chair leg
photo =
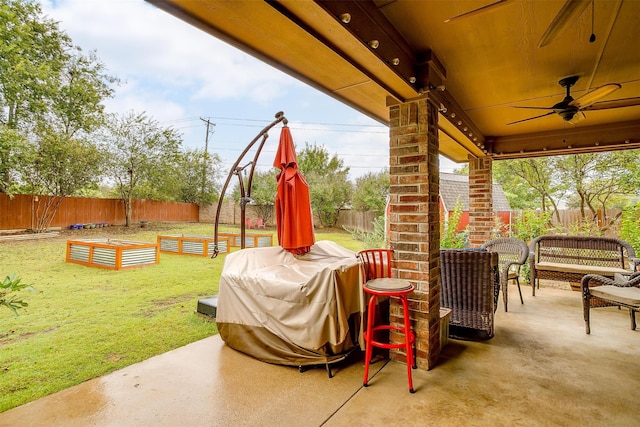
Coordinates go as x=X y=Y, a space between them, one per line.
x=519 y=291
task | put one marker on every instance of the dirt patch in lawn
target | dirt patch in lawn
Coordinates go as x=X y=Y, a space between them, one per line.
x=6 y=339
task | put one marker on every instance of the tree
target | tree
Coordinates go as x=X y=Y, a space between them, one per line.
x=264 y=187
x=192 y=186
x=139 y=149
x=371 y=191
x=328 y=182
x=578 y=170
x=179 y=179
x=598 y=179
x=76 y=104
x=33 y=52
x=516 y=190
x=263 y=192
x=630 y=181
x=51 y=96
x=66 y=160
x=58 y=167
x=12 y=145
x=540 y=175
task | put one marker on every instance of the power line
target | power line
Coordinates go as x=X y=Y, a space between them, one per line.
x=273 y=151
x=292 y=125
x=268 y=165
x=308 y=123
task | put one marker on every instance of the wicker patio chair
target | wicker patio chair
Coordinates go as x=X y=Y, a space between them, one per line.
x=512 y=254
x=470 y=282
x=600 y=291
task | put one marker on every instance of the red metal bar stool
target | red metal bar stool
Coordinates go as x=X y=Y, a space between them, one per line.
x=377 y=282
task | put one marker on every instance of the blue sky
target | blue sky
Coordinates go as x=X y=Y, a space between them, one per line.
x=179 y=75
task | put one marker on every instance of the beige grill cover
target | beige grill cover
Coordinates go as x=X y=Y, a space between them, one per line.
x=291 y=309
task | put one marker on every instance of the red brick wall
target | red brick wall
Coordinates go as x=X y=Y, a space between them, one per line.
x=414 y=221
x=480 y=201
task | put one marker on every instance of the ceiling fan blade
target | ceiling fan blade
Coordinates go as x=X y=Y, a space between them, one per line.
x=535 y=108
x=479 y=10
x=531 y=118
x=614 y=103
x=596 y=94
x=570 y=11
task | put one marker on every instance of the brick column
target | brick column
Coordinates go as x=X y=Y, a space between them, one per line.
x=480 y=201
x=415 y=221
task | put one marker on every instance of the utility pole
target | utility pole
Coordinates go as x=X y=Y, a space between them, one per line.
x=205 y=156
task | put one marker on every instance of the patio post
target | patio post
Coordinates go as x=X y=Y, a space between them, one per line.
x=480 y=200
x=414 y=220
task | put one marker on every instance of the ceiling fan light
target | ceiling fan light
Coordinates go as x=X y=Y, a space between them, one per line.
x=596 y=94
x=567 y=115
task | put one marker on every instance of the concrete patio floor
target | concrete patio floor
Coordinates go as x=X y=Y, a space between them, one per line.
x=540 y=369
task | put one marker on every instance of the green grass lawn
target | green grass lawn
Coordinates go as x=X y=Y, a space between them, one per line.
x=84 y=322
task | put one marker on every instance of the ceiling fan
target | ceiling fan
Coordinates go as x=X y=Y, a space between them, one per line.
x=567 y=14
x=571 y=110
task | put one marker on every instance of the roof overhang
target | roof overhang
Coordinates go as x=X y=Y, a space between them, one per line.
x=370 y=54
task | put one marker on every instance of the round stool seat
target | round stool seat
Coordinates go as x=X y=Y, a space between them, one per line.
x=389 y=285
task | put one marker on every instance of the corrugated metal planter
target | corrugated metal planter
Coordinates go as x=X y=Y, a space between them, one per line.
x=184 y=244
x=112 y=254
x=250 y=240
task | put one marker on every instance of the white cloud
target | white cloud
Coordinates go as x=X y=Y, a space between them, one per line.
x=137 y=41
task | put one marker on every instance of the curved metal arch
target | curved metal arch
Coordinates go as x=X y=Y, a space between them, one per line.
x=245 y=196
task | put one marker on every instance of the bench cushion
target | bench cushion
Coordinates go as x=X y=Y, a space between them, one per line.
x=584 y=269
x=623 y=295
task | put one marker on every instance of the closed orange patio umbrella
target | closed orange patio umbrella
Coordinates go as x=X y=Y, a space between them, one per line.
x=293 y=203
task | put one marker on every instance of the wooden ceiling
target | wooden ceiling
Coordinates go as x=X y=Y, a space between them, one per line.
x=476 y=68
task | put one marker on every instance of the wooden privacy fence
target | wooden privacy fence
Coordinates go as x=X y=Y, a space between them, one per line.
x=571 y=216
x=356 y=220
x=363 y=221
x=607 y=220
x=19 y=211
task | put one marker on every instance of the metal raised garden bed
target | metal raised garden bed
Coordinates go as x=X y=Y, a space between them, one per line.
x=184 y=244
x=112 y=254
x=250 y=240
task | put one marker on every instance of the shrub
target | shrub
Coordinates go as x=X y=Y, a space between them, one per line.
x=630 y=226
x=375 y=239
x=530 y=224
x=585 y=227
x=449 y=235
x=9 y=288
